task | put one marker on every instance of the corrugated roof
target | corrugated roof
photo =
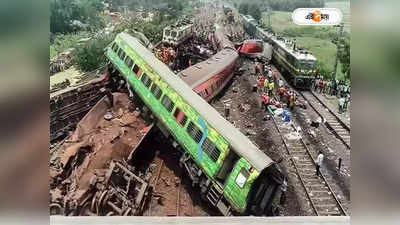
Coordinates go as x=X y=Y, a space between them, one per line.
x=238 y=141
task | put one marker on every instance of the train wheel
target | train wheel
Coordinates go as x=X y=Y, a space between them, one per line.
x=93 y=206
x=111 y=213
x=127 y=212
x=55 y=209
x=103 y=199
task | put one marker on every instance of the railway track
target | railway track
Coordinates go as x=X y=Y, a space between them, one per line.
x=334 y=123
x=320 y=194
x=172 y=190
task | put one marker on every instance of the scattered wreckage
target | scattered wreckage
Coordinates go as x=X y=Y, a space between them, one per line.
x=90 y=173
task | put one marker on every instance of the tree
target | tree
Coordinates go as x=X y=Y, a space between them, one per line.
x=61 y=13
x=344 y=58
x=90 y=55
x=254 y=10
x=244 y=8
x=64 y=12
x=323 y=70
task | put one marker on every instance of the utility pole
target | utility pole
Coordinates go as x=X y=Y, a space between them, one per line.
x=269 y=18
x=338 y=47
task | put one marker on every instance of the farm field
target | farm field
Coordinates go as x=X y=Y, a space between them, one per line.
x=313 y=38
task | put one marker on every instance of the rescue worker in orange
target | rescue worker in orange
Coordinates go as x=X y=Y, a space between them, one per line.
x=282 y=92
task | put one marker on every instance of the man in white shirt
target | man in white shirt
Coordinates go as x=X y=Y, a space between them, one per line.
x=320 y=159
x=280 y=83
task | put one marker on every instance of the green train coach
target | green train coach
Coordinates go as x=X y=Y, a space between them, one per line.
x=231 y=172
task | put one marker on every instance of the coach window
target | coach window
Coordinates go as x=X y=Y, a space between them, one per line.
x=135 y=69
x=128 y=61
x=146 y=80
x=180 y=117
x=119 y=51
x=167 y=103
x=194 y=132
x=242 y=177
x=167 y=32
x=122 y=55
x=211 y=150
x=156 y=91
x=115 y=47
x=206 y=91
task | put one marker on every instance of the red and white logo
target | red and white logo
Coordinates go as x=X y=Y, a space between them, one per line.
x=315 y=16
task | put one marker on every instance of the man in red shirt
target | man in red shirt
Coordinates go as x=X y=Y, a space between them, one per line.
x=321 y=86
x=265 y=101
x=261 y=80
x=276 y=76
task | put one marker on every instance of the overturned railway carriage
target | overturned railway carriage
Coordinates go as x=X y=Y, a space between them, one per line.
x=209 y=77
x=232 y=173
x=221 y=40
x=299 y=64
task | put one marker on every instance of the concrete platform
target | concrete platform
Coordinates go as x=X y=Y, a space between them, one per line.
x=61 y=220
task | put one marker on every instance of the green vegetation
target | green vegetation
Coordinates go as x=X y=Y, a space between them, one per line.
x=277 y=5
x=63 y=42
x=320 y=41
x=74 y=20
x=90 y=55
x=152 y=30
x=344 y=6
x=73 y=15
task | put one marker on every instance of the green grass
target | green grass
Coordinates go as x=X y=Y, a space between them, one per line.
x=344 y=6
x=323 y=50
x=317 y=39
x=280 y=21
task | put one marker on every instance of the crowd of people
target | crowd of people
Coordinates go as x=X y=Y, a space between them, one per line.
x=282 y=95
x=267 y=79
x=334 y=88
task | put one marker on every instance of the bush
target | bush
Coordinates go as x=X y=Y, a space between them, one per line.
x=324 y=71
x=63 y=42
x=90 y=55
x=152 y=31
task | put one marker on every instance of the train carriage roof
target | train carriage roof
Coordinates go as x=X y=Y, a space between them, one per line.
x=200 y=72
x=288 y=48
x=238 y=141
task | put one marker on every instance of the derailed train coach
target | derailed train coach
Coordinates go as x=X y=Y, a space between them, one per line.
x=296 y=63
x=252 y=48
x=210 y=76
x=231 y=172
x=178 y=33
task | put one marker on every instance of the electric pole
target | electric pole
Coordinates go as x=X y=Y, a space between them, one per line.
x=338 y=47
x=269 y=18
